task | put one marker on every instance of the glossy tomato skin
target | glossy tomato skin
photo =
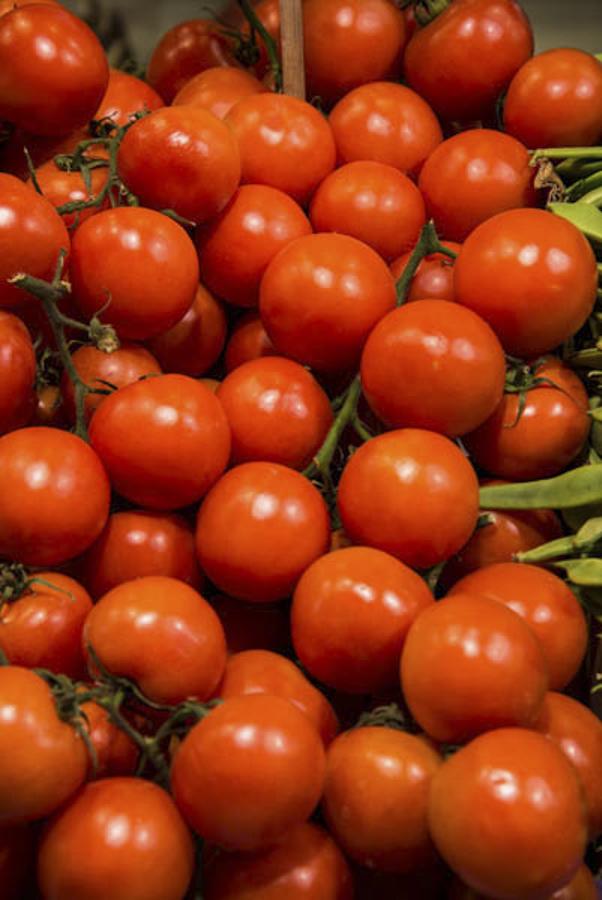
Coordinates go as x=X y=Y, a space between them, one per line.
x=449 y=358
x=352 y=610
x=126 y=95
x=386 y=123
x=68 y=187
x=249 y=340
x=471 y=177
x=236 y=248
x=259 y=528
x=184 y=632
x=250 y=770
x=194 y=344
x=144 y=261
x=17 y=854
x=434 y=277
x=555 y=100
x=464 y=59
x=506 y=812
x=116 y=753
x=410 y=493
x=53 y=70
x=218 y=89
x=250 y=626
x=51 y=761
x=153 y=858
x=372 y=202
x=17 y=373
x=320 y=298
x=164 y=441
x=531 y=275
x=376 y=797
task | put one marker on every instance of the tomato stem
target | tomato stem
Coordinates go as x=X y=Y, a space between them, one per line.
x=428 y=243
x=567 y=153
x=269 y=42
x=360 y=429
x=323 y=459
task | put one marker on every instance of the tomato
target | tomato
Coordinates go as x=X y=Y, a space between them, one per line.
x=470 y=664
x=16 y=856
x=277 y=412
x=54 y=496
x=350 y=42
x=386 y=123
x=9 y=5
x=164 y=441
x=181 y=158
x=555 y=100
x=142 y=847
x=31 y=237
x=49 y=406
x=581 y=887
x=542 y=439
x=126 y=95
x=250 y=626
x=305 y=865
x=507 y=814
x=17 y=373
x=352 y=610
x=449 y=356
x=51 y=761
x=578 y=733
x=464 y=59
x=116 y=753
x=434 y=276
x=531 y=275
x=249 y=340
x=53 y=70
x=218 y=89
x=236 y=248
x=259 y=528
x=99 y=370
x=138 y=261
x=410 y=493
x=372 y=202
x=471 y=177
x=284 y=143
x=263 y=672
x=321 y=297
x=249 y=771
x=67 y=187
x=151 y=618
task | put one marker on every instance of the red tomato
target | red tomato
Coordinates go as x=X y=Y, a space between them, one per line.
x=321 y=297
x=142 y=847
x=17 y=855
x=116 y=753
x=124 y=96
x=249 y=626
x=193 y=344
x=218 y=89
x=248 y=772
x=9 y=5
x=471 y=177
x=462 y=61
x=434 y=276
x=352 y=610
x=531 y=275
x=386 y=123
x=17 y=373
x=249 y=340
x=258 y=530
x=181 y=158
x=284 y=143
x=236 y=248
x=54 y=496
x=555 y=100
x=53 y=69
x=277 y=412
x=507 y=814
x=372 y=202
x=67 y=187
x=450 y=359
x=164 y=441
x=140 y=620
x=392 y=477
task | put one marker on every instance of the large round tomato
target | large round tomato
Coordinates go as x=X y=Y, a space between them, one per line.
x=17 y=373
x=218 y=89
x=124 y=96
x=193 y=345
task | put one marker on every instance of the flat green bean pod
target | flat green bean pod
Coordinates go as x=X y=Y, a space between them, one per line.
x=579 y=487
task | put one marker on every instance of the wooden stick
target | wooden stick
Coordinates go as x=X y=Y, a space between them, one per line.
x=293 y=63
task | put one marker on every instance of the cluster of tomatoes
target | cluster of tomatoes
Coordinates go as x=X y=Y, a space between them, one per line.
x=265 y=364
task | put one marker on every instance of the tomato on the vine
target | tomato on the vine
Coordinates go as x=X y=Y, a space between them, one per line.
x=434 y=276
x=124 y=96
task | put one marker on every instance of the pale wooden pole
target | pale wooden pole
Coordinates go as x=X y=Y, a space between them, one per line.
x=291 y=36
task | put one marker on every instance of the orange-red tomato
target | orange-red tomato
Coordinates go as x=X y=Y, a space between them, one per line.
x=249 y=340
x=126 y=95
x=434 y=276
x=17 y=373
x=193 y=344
x=253 y=626
x=218 y=89
x=116 y=753
x=61 y=187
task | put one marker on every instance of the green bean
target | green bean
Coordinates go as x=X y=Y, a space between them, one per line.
x=579 y=487
x=584 y=541
x=582 y=572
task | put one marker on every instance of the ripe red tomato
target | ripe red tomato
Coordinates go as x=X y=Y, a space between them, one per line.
x=116 y=753
x=17 y=373
x=462 y=61
x=218 y=89
x=141 y=620
x=506 y=813
x=249 y=340
x=555 y=100
x=277 y=412
x=284 y=143
x=352 y=610
x=248 y=772
x=434 y=276
x=126 y=95
x=142 y=847
x=44 y=761
x=531 y=275
x=452 y=362
x=259 y=528
x=54 y=496
x=139 y=261
x=164 y=441
x=471 y=177
x=53 y=69
x=61 y=187
x=321 y=297
x=410 y=493
x=193 y=344
x=372 y=202
x=471 y=664
x=17 y=855
x=386 y=123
